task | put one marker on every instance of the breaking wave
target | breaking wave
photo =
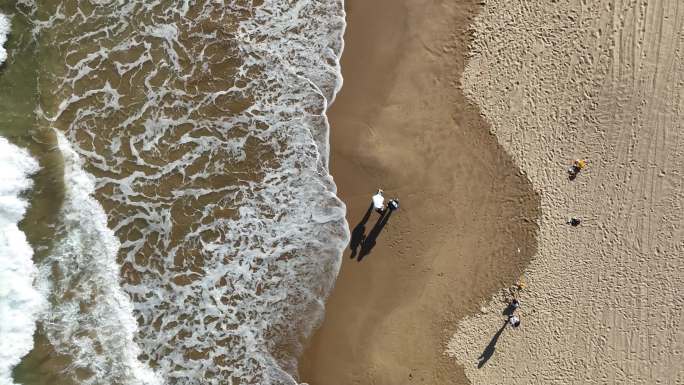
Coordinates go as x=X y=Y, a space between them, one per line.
x=5 y=27
x=90 y=318
x=20 y=302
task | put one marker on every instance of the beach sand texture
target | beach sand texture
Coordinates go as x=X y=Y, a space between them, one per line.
x=467 y=222
x=601 y=80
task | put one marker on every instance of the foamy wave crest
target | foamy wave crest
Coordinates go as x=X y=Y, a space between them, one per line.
x=90 y=318
x=20 y=302
x=5 y=27
x=304 y=40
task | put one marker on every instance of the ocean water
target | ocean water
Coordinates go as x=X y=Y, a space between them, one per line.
x=184 y=224
x=20 y=301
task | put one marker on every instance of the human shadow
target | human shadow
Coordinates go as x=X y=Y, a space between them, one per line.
x=370 y=240
x=489 y=350
x=359 y=233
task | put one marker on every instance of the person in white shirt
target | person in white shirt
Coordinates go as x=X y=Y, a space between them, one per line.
x=379 y=202
x=514 y=320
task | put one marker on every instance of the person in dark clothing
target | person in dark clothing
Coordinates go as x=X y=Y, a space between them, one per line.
x=574 y=222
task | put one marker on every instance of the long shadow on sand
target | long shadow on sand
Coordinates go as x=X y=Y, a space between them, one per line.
x=491 y=347
x=358 y=235
x=370 y=240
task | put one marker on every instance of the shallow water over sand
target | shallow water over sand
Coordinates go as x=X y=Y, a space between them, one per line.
x=184 y=153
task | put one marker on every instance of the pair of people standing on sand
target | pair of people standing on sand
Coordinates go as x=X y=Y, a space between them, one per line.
x=379 y=203
x=513 y=319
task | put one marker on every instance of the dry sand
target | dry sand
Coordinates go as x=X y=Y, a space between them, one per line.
x=603 y=80
x=467 y=222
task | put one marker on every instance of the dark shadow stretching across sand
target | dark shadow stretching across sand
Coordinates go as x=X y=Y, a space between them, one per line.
x=491 y=347
x=370 y=240
x=358 y=234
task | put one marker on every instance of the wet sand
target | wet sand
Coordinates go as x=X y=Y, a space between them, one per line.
x=601 y=80
x=467 y=222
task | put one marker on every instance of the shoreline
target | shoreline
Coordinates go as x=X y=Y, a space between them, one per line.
x=466 y=226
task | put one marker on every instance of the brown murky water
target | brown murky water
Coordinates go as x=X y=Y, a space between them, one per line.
x=184 y=153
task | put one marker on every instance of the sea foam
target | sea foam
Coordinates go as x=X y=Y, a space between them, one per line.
x=90 y=318
x=20 y=302
x=4 y=31
x=210 y=157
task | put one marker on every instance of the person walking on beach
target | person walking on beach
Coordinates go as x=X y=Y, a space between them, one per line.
x=514 y=320
x=393 y=204
x=512 y=307
x=577 y=166
x=379 y=202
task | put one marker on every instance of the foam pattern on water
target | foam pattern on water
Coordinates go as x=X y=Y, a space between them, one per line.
x=89 y=317
x=276 y=38
x=20 y=302
x=204 y=126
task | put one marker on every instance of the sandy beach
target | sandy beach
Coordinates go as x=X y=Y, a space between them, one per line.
x=604 y=81
x=180 y=179
x=467 y=222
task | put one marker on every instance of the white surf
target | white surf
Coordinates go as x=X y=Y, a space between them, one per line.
x=20 y=302
x=90 y=318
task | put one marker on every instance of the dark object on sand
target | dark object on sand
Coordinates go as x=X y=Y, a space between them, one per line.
x=393 y=204
x=577 y=166
x=491 y=347
x=369 y=241
x=574 y=222
x=358 y=235
x=511 y=308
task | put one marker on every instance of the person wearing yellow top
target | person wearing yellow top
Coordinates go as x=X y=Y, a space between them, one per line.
x=577 y=166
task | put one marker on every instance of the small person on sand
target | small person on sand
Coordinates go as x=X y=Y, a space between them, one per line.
x=520 y=285
x=574 y=222
x=512 y=307
x=577 y=166
x=379 y=202
x=393 y=204
x=514 y=320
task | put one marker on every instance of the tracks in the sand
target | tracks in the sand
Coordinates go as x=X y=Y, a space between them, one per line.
x=603 y=80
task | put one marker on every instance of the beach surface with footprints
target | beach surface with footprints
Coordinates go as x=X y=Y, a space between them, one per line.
x=604 y=81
